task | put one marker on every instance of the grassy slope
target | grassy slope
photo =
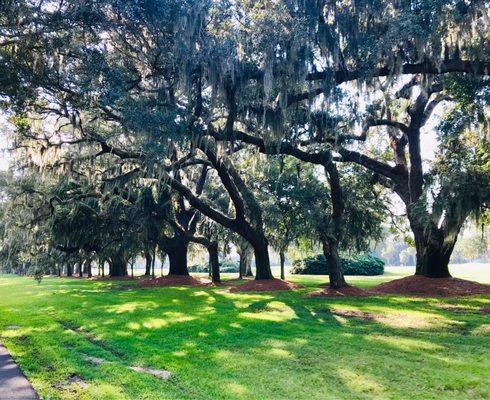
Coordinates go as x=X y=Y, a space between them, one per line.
x=243 y=346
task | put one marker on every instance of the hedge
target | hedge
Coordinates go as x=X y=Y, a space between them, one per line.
x=360 y=264
x=225 y=266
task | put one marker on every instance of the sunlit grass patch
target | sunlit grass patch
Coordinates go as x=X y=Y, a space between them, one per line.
x=407 y=344
x=362 y=384
x=482 y=330
x=131 y=307
x=270 y=311
x=403 y=319
x=221 y=345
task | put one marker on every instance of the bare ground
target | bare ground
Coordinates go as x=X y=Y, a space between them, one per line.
x=174 y=280
x=423 y=286
x=266 y=285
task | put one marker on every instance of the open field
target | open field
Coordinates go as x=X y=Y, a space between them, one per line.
x=219 y=345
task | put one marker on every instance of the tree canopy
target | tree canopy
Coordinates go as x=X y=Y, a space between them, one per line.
x=141 y=123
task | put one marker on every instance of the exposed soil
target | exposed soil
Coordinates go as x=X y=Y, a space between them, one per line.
x=120 y=278
x=77 y=380
x=346 y=291
x=71 y=380
x=355 y=314
x=94 y=360
x=485 y=310
x=162 y=374
x=174 y=280
x=265 y=285
x=423 y=286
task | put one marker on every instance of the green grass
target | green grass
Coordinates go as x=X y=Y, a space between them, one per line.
x=243 y=346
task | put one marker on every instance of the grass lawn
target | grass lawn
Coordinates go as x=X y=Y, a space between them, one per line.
x=219 y=345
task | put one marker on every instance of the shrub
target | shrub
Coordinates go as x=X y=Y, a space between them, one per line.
x=359 y=264
x=225 y=266
x=200 y=268
x=229 y=266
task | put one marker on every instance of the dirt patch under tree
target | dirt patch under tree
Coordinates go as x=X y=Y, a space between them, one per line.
x=266 y=285
x=174 y=280
x=439 y=287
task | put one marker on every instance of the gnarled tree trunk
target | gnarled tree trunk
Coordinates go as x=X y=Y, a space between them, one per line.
x=330 y=251
x=262 y=261
x=118 y=264
x=79 y=268
x=148 y=261
x=87 y=268
x=330 y=242
x=434 y=246
x=177 y=256
x=214 y=262
x=246 y=253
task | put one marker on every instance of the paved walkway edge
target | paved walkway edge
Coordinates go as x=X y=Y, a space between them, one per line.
x=13 y=383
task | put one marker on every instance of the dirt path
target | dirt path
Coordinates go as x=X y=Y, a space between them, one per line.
x=13 y=383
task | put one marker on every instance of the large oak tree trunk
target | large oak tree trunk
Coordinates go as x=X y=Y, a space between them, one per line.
x=433 y=245
x=162 y=262
x=246 y=253
x=330 y=243
x=434 y=250
x=214 y=262
x=118 y=265
x=177 y=257
x=331 y=253
x=87 y=268
x=248 y=265
x=262 y=261
x=148 y=262
x=80 y=269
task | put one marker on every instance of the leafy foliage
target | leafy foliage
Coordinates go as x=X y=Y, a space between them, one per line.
x=227 y=266
x=360 y=264
x=113 y=100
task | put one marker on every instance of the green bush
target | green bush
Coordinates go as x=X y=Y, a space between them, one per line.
x=224 y=266
x=200 y=268
x=360 y=264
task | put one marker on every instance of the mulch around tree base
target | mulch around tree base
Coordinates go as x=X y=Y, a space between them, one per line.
x=265 y=285
x=346 y=291
x=118 y=278
x=423 y=286
x=173 y=280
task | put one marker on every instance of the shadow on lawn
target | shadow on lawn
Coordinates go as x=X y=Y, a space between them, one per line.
x=233 y=340
x=283 y=328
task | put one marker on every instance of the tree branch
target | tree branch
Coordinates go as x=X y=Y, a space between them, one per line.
x=370 y=163
x=200 y=204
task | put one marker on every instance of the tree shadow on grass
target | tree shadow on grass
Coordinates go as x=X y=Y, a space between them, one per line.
x=253 y=345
